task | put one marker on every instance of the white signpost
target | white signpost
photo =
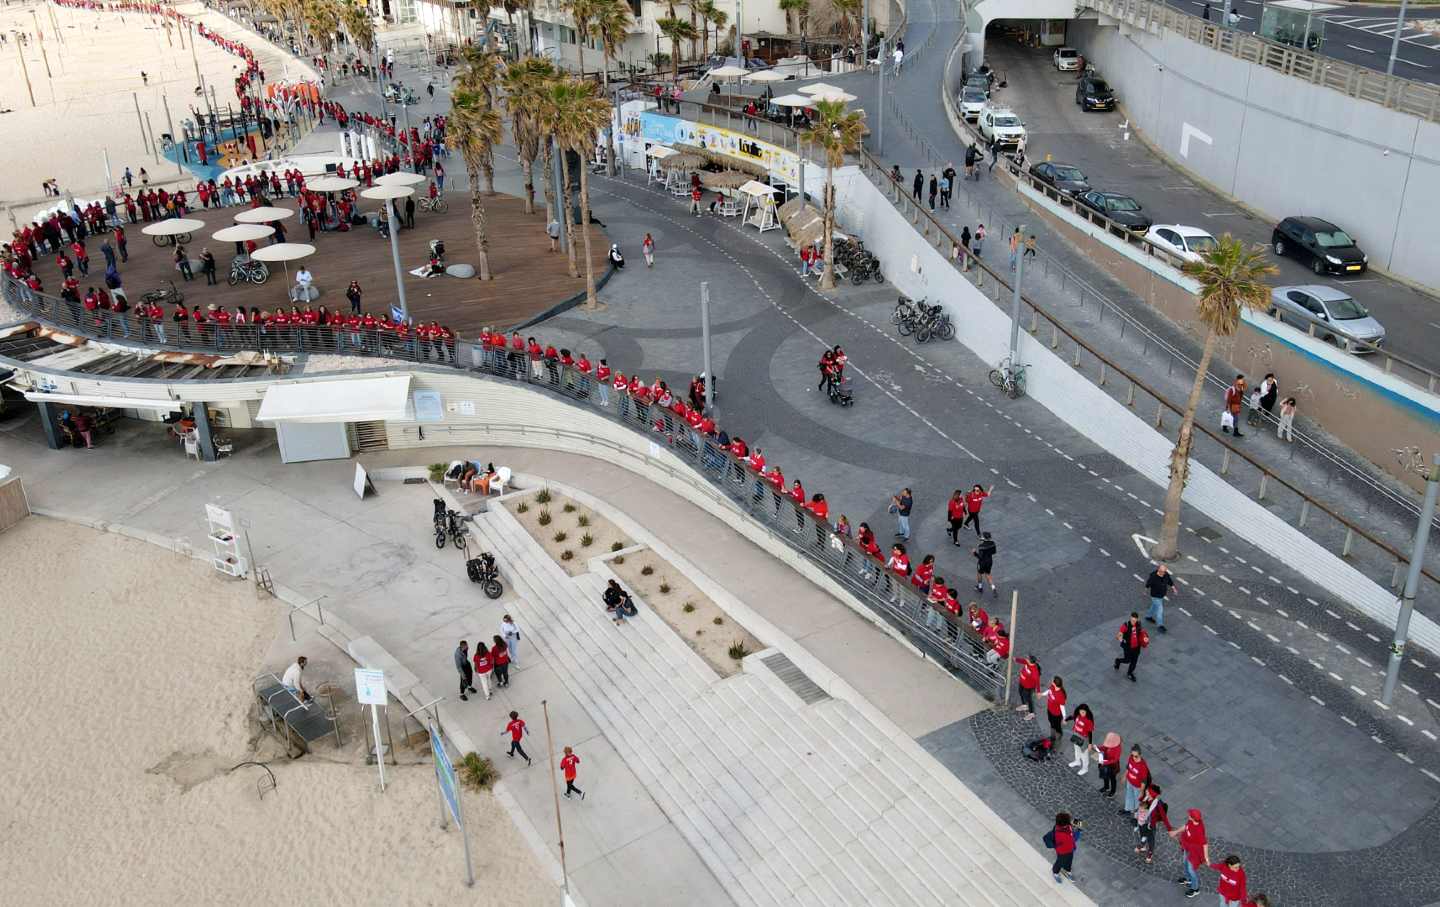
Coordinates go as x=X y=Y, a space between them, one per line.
x=370 y=690
x=449 y=788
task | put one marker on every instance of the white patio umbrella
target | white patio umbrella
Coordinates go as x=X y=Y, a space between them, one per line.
x=766 y=75
x=243 y=232
x=400 y=178
x=284 y=252
x=836 y=95
x=263 y=215
x=331 y=184
x=818 y=87
x=388 y=193
x=173 y=226
x=792 y=101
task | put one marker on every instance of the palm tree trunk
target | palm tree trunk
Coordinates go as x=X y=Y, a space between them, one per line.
x=550 y=212
x=692 y=25
x=487 y=165
x=590 y=301
x=566 y=223
x=1168 y=548
x=477 y=220
x=827 y=280
x=674 y=59
x=527 y=167
x=615 y=121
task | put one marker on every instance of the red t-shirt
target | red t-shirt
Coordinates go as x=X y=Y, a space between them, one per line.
x=1136 y=771
x=975 y=500
x=516 y=729
x=1084 y=724
x=1029 y=674
x=500 y=656
x=1231 y=886
x=1055 y=700
x=955 y=509
x=482 y=663
x=567 y=765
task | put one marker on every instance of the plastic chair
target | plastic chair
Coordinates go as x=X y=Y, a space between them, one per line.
x=192 y=447
x=502 y=478
x=448 y=479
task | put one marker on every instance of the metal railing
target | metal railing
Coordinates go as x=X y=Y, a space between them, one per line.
x=947 y=638
x=1403 y=95
x=1262 y=483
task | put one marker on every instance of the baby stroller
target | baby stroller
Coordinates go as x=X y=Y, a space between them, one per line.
x=838 y=390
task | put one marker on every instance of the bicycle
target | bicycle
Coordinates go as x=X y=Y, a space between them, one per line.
x=256 y=272
x=438 y=204
x=1009 y=378
x=163 y=296
x=171 y=240
x=936 y=326
x=904 y=310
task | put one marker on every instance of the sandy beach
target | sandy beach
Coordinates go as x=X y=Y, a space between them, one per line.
x=127 y=702
x=86 y=105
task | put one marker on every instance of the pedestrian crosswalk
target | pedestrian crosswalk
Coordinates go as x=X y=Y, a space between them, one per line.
x=787 y=803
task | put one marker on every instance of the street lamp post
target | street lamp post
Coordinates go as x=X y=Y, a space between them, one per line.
x=389 y=194
x=705 y=348
x=1412 y=580
x=1015 y=304
x=1395 y=41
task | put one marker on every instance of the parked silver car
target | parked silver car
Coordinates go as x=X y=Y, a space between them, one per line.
x=1340 y=317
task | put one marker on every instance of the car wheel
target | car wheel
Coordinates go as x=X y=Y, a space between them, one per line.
x=1279 y=247
x=1318 y=265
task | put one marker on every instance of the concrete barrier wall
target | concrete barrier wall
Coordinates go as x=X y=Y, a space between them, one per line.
x=1372 y=413
x=1278 y=144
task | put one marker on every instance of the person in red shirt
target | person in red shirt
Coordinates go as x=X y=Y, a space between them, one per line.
x=602 y=381
x=1063 y=839
x=500 y=657
x=1082 y=736
x=1152 y=813
x=1132 y=638
x=974 y=500
x=999 y=645
x=537 y=356
x=955 y=513
x=1055 y=705
x=483 y=666
x=818 y=507
x=1029 y=682
x=1109 y=754
x=924 y=574
x=552 y=363
x=569 y=761
x=865 y=537
x=756 y=460
x=1232 y=881
x=977 y=617
x=1137 y=776
x=1196 y=848
x=516 y=729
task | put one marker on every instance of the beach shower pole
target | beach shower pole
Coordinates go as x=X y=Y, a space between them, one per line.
x=24 y=69
x=179 y=142
x=555 y=794
x=136 y=98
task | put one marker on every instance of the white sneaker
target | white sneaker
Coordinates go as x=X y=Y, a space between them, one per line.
x=1074 y=764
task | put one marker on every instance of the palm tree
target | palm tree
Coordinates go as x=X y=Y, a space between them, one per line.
x=1231 y=280
x=523 y=82
x=610 y=26
x=479 y=73
x=554 y=96
x=475 y=129
x=577 y=113
x=710 y=14
x=358 y=25
x=676 y=30
x=837 y=130
x=801 y=8
x=849 y=11
x=582 y=12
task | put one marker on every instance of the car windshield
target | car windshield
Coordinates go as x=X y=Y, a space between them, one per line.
x=1069 y=174
x=1333 y=239
x=1099 y=87
x=1006 y=122
x=1065 y=53
x=1200 y=244
x=1346 y=309
x=974 y=95
x=1121 y=203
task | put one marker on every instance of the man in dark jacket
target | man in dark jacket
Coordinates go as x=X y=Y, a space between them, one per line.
x=467 y=673
x=1132 y=638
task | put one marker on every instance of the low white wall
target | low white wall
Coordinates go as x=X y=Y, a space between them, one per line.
x=982 y=327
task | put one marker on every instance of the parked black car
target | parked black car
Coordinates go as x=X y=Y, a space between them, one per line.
x=1093 y=93
x=1122 y=209
x=1323 y=246
x=1065 y=177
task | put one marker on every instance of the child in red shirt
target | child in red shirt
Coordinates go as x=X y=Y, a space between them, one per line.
x=516 y=730
x=568 y=762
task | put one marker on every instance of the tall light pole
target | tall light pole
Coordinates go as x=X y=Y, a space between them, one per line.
x=1395 y=41
x=705 y=348
x=1015 y=303
x=1412 y=579
x=880 y=133
x=389 y=194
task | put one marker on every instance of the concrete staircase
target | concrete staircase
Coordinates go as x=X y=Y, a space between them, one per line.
x=787 y=804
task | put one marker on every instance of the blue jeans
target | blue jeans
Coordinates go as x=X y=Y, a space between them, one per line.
x=1191 y=877
x=1157 y=610
x=904 y=521
x=1132 y=798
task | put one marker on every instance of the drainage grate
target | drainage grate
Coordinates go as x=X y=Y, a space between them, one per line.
x=794 y=678
x=1168 y=752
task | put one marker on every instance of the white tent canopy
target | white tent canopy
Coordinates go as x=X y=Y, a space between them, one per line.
x=660 y=151
x=330 y=184
x=402 y=178
x=792 y=100
x=352 y=400
x=820 y=88
x=242 y=232
x=284 y=251
x=728 y=72
x=173 y=226
x=263 y=215
x=757 y=188
x=766 y=75
x=164 y=404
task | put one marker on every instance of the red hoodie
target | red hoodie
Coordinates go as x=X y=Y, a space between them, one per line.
x=1232 y=881
x=1193 y=840
x=1136 y=772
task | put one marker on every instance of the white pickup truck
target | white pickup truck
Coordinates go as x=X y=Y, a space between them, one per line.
x=1000 y=124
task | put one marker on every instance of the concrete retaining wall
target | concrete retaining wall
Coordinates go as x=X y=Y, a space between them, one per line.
x=1280 y=145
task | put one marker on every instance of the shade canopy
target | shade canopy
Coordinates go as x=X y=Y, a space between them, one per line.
x=766 y=75
x=173 y=226
x=330 y=184
x=681 y=162
x=818 y=88
x=283 y=251
x=728 y=72
x=243 y=232
x=346 y=400
x=729 y=179
x=402 y=178
x=659 y=151
x=757 y=189
x=163 y=404
x=792 y=100
x=263 y=215
x=836 y=95
x=382 y=193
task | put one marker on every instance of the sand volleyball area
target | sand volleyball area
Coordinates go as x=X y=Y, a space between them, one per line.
x=126 y=703
x=87 y=102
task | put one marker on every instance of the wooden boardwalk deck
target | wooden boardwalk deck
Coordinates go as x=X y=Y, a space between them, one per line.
x=528 y=277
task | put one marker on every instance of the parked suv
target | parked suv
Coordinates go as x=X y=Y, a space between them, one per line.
x=972 y=100
x=1093 y=93
x=1001 y=125
x=1065 y=177
x=1319 y=243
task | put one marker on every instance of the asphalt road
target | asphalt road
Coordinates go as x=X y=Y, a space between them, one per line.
x=1094 y=142
x=1356 y=34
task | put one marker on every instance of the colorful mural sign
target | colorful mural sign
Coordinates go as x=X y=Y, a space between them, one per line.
x=668 y=130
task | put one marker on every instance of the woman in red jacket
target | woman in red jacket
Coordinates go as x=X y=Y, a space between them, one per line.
x=955 y=513
x=1055 y=706
x=1082 y=738
x=1196 y=849
x=1109 y=753
x=1029 y=683
x=500 y=656
x=1063 y=839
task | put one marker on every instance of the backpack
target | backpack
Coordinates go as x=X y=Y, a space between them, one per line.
x=1037 y=750
x=1049 y=839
